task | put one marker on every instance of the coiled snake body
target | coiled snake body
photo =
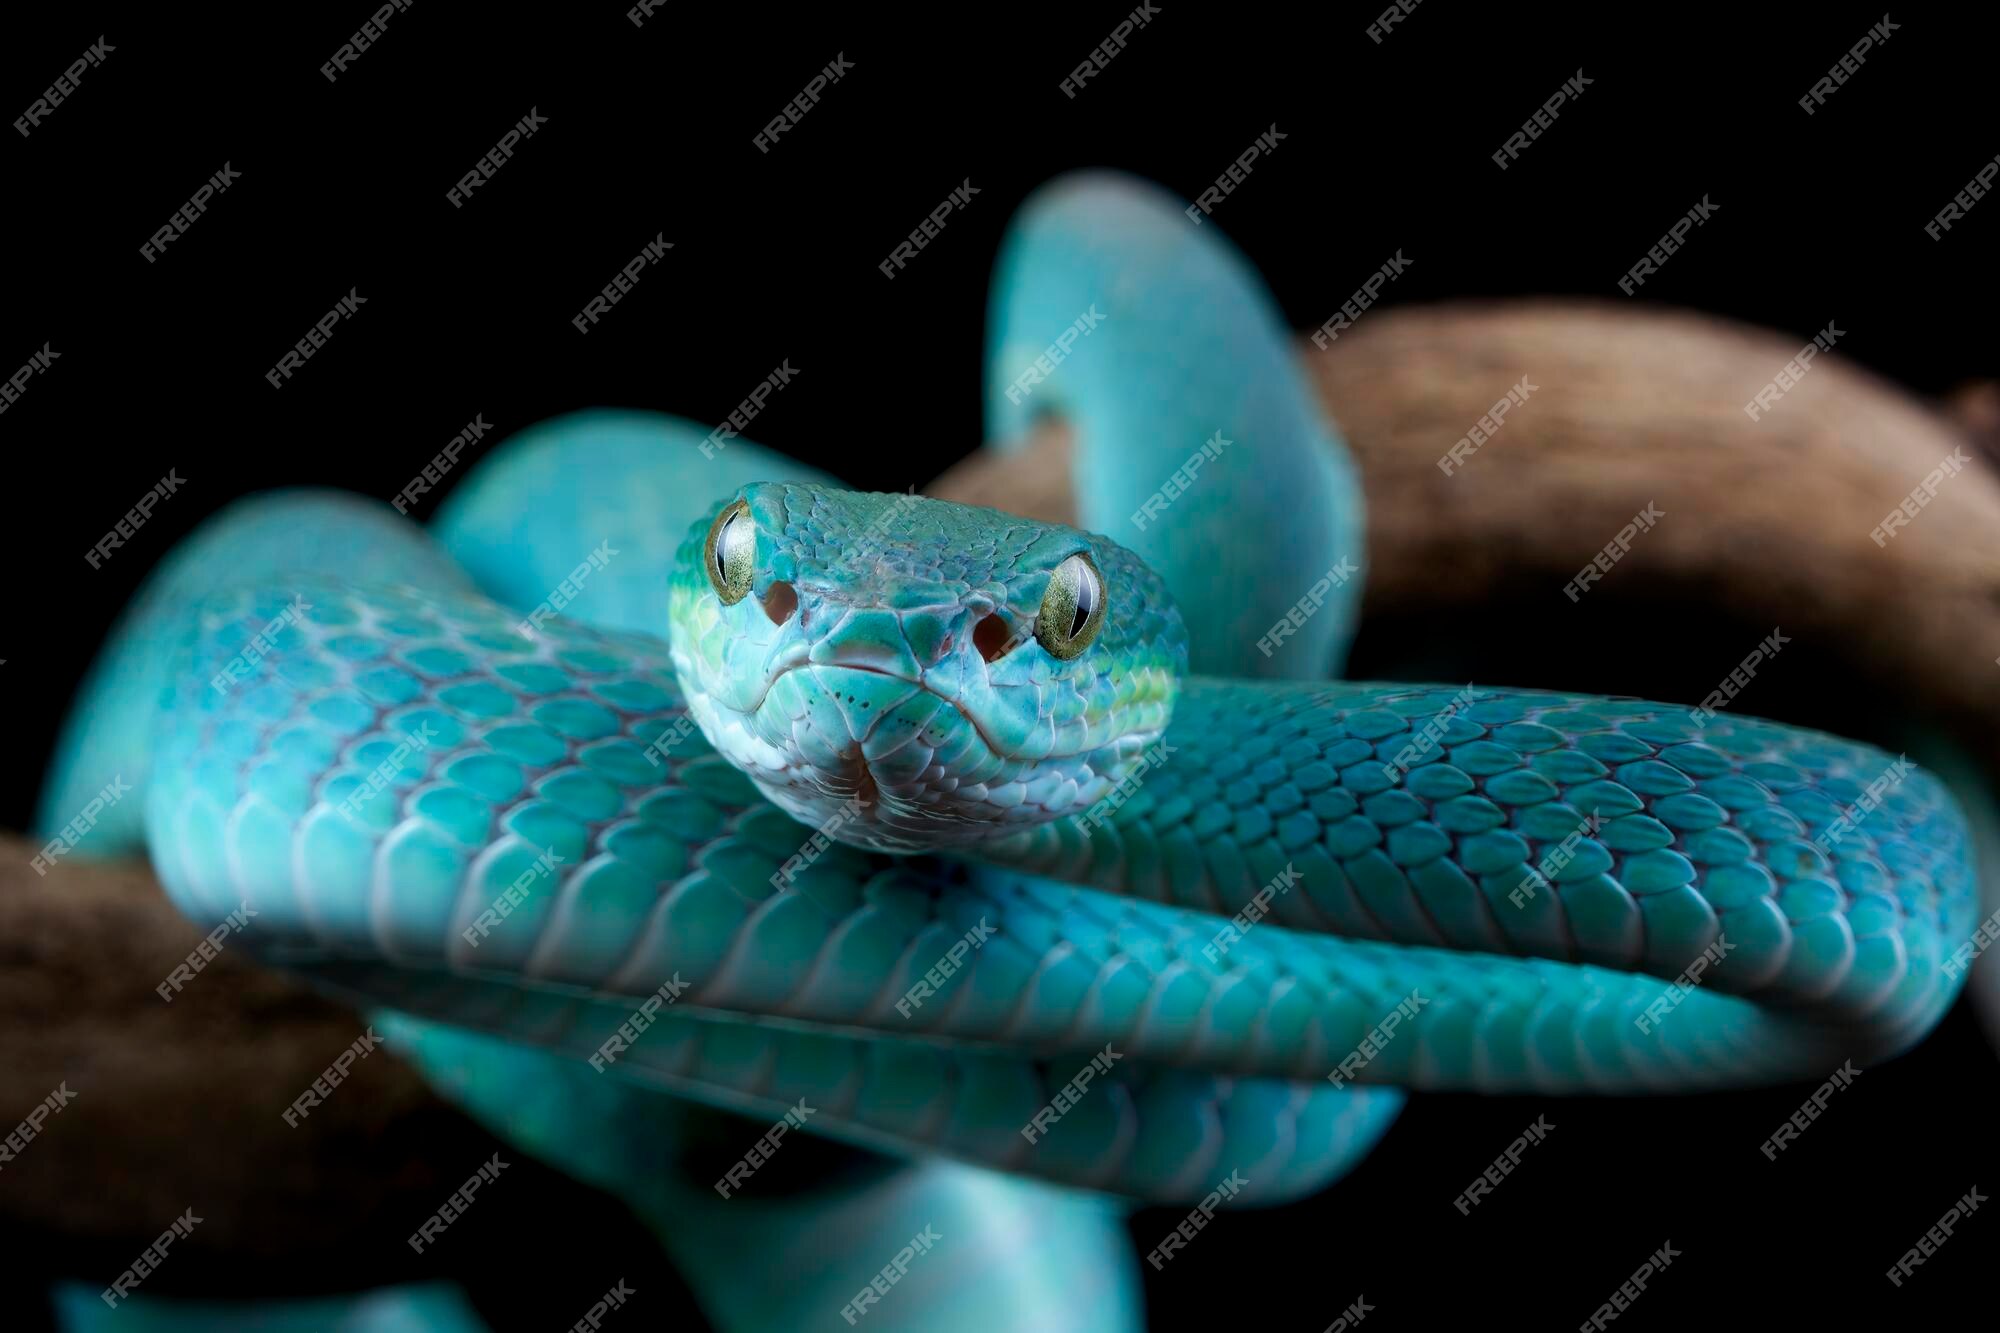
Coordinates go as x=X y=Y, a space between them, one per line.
x=1069 y=911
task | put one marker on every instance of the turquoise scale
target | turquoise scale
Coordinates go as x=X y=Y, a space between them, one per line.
x=299 y=791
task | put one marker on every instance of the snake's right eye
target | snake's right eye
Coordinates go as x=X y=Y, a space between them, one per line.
x=1072 y=609
x=731 y=553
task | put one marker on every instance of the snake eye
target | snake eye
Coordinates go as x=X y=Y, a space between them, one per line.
x=1072 y=609
x=731 y=553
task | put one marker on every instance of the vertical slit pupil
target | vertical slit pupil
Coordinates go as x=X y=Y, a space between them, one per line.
x=722 y=547
x=1086 y=598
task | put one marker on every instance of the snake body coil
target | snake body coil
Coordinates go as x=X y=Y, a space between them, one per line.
x=1245 y=909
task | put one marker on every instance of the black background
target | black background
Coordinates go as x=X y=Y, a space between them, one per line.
x=1820 y=218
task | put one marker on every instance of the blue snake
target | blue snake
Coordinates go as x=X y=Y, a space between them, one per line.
x=1056 y=863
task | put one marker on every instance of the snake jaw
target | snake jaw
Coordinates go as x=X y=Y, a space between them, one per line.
x=882 y=761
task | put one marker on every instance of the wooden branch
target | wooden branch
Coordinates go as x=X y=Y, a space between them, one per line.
x=177 y=1106
x=1767 y=521
x=1766 y=524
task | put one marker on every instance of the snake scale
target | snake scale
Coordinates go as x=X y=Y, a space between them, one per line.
x=972 y=839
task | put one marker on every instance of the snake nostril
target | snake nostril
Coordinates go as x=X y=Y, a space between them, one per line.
x=780 y=600
x=991 y=638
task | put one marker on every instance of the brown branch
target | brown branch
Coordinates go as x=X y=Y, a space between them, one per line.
x=177 y=1106
x=1768 y=520
x=1767 y=524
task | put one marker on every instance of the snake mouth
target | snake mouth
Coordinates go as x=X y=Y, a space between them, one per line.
x=884 y=758
x=817 y=670
x=874 y=757
x=986 y=737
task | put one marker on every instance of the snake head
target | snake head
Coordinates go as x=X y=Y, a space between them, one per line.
x=909 y=674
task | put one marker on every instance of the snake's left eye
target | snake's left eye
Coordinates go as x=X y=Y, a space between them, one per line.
x=731 y=553
x=1072 y=609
